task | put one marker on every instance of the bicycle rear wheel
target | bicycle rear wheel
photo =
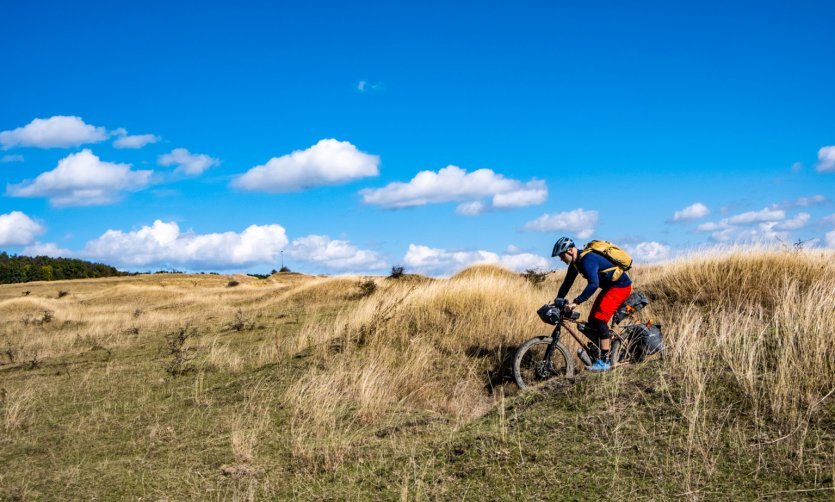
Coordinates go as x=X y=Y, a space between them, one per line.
x=530 y=366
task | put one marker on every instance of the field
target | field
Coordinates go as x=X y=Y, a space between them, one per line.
x=330 y=388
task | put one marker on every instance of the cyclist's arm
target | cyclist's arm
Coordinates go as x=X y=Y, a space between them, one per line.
x=570 y=275
x=591 y=268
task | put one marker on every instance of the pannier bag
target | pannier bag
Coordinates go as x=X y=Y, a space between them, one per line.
x=635 y=303
x=643 y=341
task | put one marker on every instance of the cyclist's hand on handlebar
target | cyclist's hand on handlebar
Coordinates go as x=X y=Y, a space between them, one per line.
x=571 y=306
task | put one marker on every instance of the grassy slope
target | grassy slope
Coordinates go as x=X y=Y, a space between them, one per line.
x=88 y=409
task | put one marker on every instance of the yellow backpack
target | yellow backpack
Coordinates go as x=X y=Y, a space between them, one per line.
x=614 y=254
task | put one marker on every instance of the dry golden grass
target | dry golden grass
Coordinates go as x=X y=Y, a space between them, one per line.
x=765 y=318
x=746 y=331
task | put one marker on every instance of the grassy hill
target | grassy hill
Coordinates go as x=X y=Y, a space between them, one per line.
x=184 y=387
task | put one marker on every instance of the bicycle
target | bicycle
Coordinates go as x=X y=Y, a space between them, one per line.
x=544 y=357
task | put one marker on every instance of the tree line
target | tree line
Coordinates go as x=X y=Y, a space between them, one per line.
x=15 y=269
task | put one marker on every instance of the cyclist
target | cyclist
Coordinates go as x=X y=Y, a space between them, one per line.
x=598 y=271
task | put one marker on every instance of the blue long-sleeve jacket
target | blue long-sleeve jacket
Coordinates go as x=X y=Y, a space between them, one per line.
x=590 y=267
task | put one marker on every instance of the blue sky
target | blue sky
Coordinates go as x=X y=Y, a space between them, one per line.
x=594 y=122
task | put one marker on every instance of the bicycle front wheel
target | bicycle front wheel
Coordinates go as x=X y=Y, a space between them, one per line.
x=531 y=368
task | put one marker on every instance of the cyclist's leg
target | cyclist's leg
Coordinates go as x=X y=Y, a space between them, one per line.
x=604 y=308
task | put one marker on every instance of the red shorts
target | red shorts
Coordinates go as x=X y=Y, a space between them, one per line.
x=608 y=301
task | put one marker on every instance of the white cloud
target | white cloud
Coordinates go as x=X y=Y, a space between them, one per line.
x=328 y=162
x=55 y=132
x=755 y=226
x=798 y=222
x=648 y=252
x=5 y=159
x=767 y=214
x=470 y=208
x=163 y=244
x=435 y=261
x=366 y=86
x=577 y=221
x=760 y=233
x=826 y=159
x=17 y=229
x=188 y=163
x=334 y=254
x=134 y=141
x=830 y=239
x=82 y=179
x=812 y=200
x=454 y=184
x=691 y=212
x=47 y=249
x=532 y=193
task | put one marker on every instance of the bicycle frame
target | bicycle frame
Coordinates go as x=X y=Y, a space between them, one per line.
x=566 y=322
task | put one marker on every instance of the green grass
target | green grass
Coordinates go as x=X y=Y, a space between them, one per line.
x=140 y=433
x=104 y=419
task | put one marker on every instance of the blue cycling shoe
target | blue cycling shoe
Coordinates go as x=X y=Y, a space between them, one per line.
x=600 y=365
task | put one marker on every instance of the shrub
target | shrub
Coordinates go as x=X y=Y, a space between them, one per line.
x=181 y=356
x=232 y=284
x=241 y=323
x=366 y=288
x=396 y=272
x=534 y=276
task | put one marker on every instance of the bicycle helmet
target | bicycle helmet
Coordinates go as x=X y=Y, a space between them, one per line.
x=562 y=245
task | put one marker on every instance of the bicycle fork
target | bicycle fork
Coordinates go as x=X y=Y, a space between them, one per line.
x=549 y=352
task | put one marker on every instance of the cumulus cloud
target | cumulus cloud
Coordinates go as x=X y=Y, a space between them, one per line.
x=759 y=233
x=435 y=261
x=164 y=244
x=454 y=184
x=5 y=159
x=579 y=222
x=767 y=214
x=830 y=239
x=47 y=249
x=334 y=254
x=82 y=179
x=17 y=229
x=648 y=252
x=767 y=224
x=826 y=159
x=796 y=223
x=691 y=212
x=55 y=132
x=328 y=162
x=126 y=140
x=192 y=164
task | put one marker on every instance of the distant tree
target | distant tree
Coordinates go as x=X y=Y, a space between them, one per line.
x=14 y=269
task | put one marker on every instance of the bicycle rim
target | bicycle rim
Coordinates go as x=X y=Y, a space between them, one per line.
x=530 y=367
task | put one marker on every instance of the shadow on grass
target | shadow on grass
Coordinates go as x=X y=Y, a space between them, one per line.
x=501 y=371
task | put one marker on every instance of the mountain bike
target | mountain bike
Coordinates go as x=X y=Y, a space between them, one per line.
x=544 y=357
